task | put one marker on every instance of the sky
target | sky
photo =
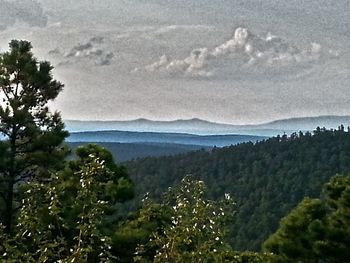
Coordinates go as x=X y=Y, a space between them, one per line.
x=230 y=61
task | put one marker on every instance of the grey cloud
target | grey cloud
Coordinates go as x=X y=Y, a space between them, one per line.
x=243 y=53
x=80 y=50
x=92 y=50
x=105 y=59
x=55 y=51
x=27 y=11
x=97 y=39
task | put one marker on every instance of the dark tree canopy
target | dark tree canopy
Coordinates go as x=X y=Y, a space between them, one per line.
x=32 y=135
x=317 y=230
x=267 y=179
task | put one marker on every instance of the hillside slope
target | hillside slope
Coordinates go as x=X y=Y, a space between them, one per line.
x=128 y=151
x=267 y=179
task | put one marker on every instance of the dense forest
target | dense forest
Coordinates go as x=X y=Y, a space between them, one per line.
x=266 y=179
x=128 y=151
x=55 y=208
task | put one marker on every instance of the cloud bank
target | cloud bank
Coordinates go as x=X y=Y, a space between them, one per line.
x=243 y=53
x=92 y=50
x=27 y=11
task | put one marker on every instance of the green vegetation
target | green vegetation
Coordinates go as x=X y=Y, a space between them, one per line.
x=130 y=151
x=317 y=230
x=57 y=222
x=266 y=179
x=55 y=210
x=33 y=136
x=195 y=229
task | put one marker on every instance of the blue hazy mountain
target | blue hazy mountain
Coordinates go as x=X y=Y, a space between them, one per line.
x=161 y=138
x=202 y=127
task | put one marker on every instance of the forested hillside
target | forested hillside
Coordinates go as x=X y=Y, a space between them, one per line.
x=267 y=179
x=129 y=151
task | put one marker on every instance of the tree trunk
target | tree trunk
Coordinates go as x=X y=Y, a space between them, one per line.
x=11 y=182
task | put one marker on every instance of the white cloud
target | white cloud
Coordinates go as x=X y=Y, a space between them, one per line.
x=171 y=28
x=244 y=52
x=163 y=61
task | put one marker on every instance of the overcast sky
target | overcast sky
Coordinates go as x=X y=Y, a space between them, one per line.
x=228 y=61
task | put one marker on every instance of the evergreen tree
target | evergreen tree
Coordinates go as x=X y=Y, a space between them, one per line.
x=33 y=136
x=317 y=230
x=66 y=219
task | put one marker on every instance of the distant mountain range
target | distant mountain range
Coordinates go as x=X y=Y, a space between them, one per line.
x=202 y=127
x=161 y=138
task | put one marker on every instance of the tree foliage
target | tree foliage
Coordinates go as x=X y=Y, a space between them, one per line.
x=197 y=228
x=33 y=136
x=63 y=219
x=267 y=179
x=194 y=229
x=317 y=230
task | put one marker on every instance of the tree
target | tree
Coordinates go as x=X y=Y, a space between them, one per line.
x=188 y=227
x=292 y=239
x=64 y=219
x=32 y=135
x=332 y=235
x=196 y=230
x=119 y=187
x=317 y=230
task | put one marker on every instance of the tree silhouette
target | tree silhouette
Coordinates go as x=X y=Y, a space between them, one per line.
x=33 y=136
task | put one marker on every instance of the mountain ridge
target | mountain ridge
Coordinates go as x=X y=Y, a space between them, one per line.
x=154 y=137
x=204 y=127
x=214 y=122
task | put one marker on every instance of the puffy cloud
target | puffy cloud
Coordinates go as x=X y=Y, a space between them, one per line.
x=243 y=53
x=192 y=65
x=27 y=11
x=92 y=50
x=163 y=61
x=239 y=42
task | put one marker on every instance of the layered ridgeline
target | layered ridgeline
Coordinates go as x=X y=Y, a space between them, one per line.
x=126 y=145
x=267 y=179
x=141 y=138
x=202 y=127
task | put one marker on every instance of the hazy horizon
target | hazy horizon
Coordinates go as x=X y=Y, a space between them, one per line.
x=235 y=62
x=210 y=121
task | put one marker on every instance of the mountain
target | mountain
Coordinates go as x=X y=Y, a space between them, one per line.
x=192 y=126
x=163 y=138
x=202 y=127
x=266 y=179
x=308 y=123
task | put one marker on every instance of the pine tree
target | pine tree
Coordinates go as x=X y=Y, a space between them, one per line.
x=32 y=135
x=317 y=230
